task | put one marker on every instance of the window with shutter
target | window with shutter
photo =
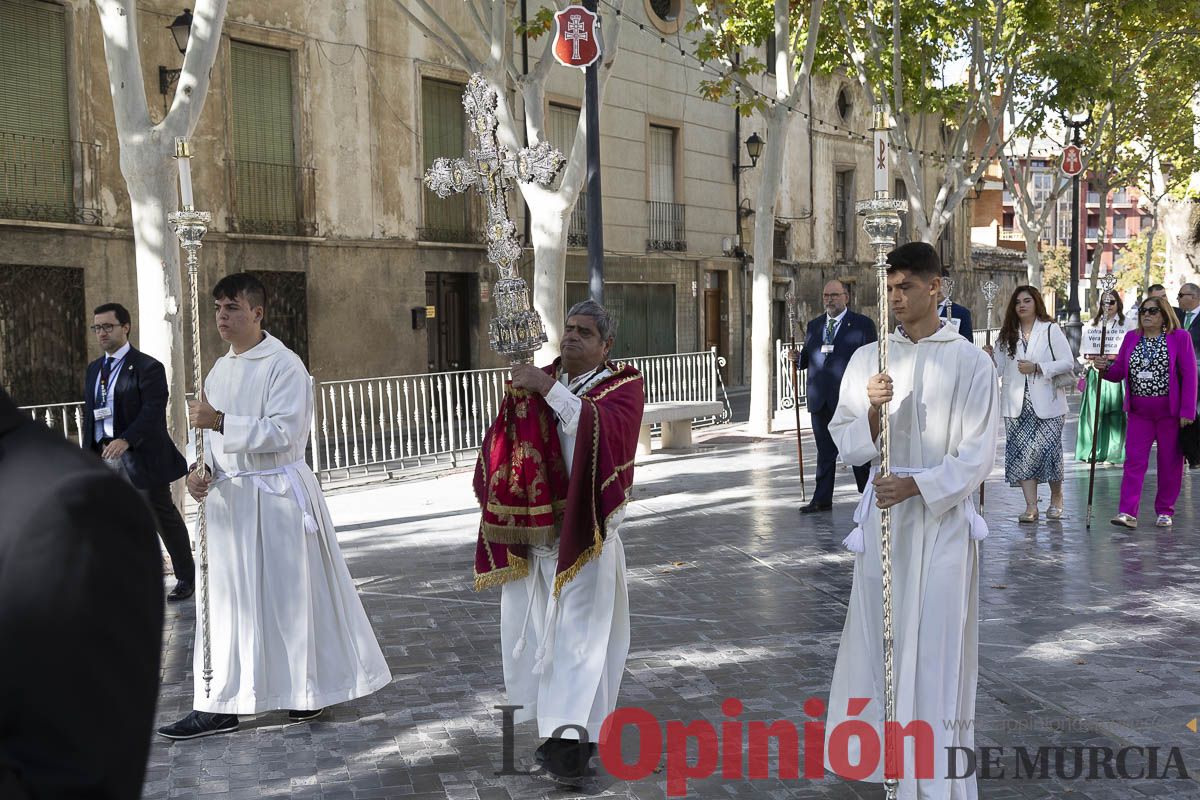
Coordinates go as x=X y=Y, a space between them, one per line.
x=36 y=168
x=560 y=131
x=444 y=135
x=264 y=146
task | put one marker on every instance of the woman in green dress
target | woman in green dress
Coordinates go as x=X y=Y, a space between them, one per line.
x=1110 y=436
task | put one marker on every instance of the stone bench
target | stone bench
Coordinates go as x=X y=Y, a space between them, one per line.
x=676 y=420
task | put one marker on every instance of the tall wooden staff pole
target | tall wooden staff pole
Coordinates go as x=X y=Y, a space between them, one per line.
x=793 y=321
x=882 y=224
x=1107 y=283
x=989 y=290
x=190 y=226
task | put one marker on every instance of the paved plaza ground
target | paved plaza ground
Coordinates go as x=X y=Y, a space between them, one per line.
x=1088 y=638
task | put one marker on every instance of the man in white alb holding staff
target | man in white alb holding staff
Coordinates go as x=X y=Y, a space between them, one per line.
x=288 y=630
x=944 y=418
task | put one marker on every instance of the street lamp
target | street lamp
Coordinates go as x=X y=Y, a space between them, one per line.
x=181 y=29
x=754 y=148
x=1074 y=326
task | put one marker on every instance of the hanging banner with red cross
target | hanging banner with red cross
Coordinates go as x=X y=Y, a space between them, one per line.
x=576 y=37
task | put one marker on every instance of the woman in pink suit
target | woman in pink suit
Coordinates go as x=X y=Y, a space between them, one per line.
x=1158 y=366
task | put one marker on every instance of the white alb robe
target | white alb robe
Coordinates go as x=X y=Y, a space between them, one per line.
x=288 y=629
x=944 y=419
x=588 y=642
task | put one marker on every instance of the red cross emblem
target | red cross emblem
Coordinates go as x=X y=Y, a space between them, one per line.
x=1072 y=160
x=575 y=37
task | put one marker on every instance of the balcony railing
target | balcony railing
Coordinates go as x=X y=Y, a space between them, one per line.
x=1093 y=234
x=272 y=199
x=49 y=180
x=1121 y=197
x=667 y=227
x=577 y=228
x=1093 y=198
x=455 y=220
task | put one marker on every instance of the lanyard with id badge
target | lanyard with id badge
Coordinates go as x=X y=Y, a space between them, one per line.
x=830 y=328
x=103 y=411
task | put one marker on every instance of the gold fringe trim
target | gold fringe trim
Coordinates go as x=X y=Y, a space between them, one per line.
x=597 y=540
x=503 y=534
x=515 y=571
x=608 y=481
x=617 y=385
x=517 y=511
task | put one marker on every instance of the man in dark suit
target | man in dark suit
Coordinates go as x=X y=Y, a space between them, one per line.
x=828 y=344
x=80 y=620
x=1188 y=312
x=958 y=312
x=125 y=416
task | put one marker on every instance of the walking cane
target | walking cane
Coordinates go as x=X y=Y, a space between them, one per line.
x=790 y=298
x=882 y=224
x=1107 y=283
x=190 y=226
x=989 y=289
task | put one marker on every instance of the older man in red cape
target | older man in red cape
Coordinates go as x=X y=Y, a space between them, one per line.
x=553 y=478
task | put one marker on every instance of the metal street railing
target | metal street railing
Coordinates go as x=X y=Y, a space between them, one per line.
x=786 y=393
x=64 y=417
x=410 y=422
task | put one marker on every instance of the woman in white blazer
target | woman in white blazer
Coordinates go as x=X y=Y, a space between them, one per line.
x=1030 y=351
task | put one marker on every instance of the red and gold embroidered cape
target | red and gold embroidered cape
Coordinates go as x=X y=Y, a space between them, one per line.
x=522 y=486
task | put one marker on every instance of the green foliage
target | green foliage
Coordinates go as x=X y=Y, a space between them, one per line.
x=1056 y=270
x=1131 y=263
x=728 y=28
x=540 y=23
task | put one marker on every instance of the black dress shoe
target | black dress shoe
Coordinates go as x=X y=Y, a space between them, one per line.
x=182 y=591
x=305 y=716
x=567 y=760
x=815 y=506
x=200 y=723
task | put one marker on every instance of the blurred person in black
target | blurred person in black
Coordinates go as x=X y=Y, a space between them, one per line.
x=81 y=611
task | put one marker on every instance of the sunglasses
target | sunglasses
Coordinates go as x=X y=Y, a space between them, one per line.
x=1109 y=302
x=1149 y=311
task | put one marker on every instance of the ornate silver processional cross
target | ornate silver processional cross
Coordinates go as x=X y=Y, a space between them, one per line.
x=516 y=330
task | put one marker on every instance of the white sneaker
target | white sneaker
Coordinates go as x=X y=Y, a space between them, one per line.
x=1125 y=521
x=1164 y=521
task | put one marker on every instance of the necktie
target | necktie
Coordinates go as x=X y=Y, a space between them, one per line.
x=1187 y=323
x=105 y=374
x=829 y=330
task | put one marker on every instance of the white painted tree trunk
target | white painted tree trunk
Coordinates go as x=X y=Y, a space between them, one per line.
x=150 y=176
x=146 y=152
x=550 y=213
x=770 y=166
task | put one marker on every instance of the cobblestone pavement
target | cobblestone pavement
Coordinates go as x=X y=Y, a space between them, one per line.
x=1088 y=638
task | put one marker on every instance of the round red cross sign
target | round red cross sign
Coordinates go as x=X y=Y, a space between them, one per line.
x=1072 y=160
x=576 y=40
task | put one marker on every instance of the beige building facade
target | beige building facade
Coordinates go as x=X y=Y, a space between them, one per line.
x=318 y=126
